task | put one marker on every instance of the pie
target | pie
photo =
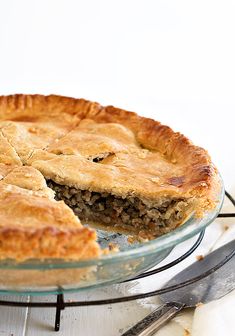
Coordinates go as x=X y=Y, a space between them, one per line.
x=66 y=161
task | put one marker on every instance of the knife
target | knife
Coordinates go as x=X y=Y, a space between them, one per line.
x=212 y=287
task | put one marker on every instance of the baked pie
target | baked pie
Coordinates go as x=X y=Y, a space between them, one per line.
x=65 y=160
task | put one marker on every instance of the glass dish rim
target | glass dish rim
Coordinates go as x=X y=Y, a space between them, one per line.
x=187 y=230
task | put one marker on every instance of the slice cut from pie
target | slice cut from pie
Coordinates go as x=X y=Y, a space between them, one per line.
x=113 y=168
x=34 y=225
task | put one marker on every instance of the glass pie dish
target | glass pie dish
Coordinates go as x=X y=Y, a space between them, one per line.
x=36 y=277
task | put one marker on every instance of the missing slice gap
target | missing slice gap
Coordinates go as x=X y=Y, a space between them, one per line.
x=130 y=214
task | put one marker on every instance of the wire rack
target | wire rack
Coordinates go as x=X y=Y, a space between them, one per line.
x=60 y=304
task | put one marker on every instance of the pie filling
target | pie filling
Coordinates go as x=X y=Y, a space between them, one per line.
x=133 y=214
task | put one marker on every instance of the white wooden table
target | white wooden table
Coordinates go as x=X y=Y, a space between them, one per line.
x=172 y=61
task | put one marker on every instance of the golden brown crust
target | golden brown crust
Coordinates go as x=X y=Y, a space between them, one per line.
x=36 y=226
x=8 y=154
x=149 y=133
x=29 y=178
x=61 y=137
x=30 y=122
x=34 y=108
x=170 y=164
x=153 y=135
x=48 y=242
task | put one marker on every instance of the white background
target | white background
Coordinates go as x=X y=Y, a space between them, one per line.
x=170 y=60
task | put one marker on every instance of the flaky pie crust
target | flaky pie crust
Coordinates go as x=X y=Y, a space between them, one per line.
x=58 y=138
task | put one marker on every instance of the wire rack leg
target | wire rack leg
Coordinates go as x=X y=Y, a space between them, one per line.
x=60 y=306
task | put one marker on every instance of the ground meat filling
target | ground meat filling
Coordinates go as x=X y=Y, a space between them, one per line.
x=130 y=212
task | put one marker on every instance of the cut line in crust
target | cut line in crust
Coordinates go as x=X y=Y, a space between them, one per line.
x=112 y=167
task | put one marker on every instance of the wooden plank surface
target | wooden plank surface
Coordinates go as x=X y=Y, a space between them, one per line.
x=13 y=320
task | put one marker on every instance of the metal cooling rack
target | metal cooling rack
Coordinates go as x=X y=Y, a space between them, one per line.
x=60 y=304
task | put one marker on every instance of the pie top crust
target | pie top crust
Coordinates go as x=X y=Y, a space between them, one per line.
x=83 y=144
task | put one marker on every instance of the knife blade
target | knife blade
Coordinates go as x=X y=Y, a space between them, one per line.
x=212 y=287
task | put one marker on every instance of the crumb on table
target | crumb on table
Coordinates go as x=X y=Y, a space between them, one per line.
x=113 y=247
x=186 y=332
x=199 y=304
x=199 y=257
